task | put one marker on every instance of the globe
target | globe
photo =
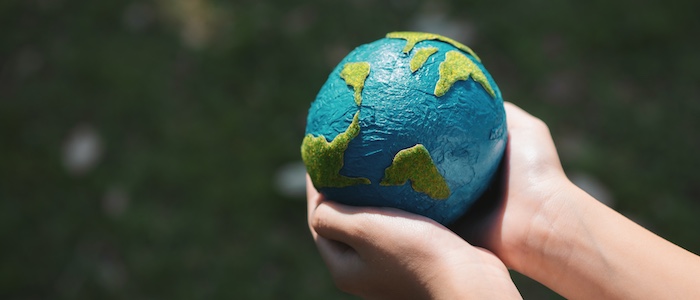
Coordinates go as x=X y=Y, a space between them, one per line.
x=412 y=121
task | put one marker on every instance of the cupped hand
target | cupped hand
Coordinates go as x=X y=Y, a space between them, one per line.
x=388 y=253
x=531 y=176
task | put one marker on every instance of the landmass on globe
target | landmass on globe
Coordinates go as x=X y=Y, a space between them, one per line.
x=394 y=113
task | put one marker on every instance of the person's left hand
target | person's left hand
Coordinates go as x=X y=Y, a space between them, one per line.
x=392 y=254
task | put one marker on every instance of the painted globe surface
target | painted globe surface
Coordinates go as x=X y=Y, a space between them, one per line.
x=412 y=121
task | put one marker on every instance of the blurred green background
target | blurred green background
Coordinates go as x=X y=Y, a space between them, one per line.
x=149 y=149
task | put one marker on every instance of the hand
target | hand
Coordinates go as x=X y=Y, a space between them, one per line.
x=392 y=254
x=543 y=226
x=531 y=175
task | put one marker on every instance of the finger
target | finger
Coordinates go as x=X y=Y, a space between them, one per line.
x=362 y=226
x=510 y=106
x=517 y=119
x=516 y=116
x=342 y=261
x=313 y=199
x=335 y=221
x=338 y=256
x=532 y=138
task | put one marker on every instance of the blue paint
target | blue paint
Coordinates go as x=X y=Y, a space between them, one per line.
x=464 y=130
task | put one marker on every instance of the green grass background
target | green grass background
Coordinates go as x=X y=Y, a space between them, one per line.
x=197 y=104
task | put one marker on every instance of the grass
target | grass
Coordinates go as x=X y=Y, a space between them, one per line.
x=197 y=106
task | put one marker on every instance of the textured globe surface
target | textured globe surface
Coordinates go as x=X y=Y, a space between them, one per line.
x=411 y=121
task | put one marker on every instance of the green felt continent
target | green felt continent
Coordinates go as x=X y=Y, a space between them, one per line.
x=416 y=165
x=412 y=38
x=458 y=66
x=324 y=159
x=421 y=57
x=355 y=75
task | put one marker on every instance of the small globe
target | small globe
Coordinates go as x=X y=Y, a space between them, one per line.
x=412 y=121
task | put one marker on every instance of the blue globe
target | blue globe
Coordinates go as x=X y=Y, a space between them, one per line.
x=411 y=121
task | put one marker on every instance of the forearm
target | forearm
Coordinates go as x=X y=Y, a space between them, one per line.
x=582 y=249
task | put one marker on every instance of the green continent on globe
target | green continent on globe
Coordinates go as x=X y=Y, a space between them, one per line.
x=412 y=38
x=324 y=160
x=416 y=165
x=458 y=66
x=421 y=57
x=355 y=75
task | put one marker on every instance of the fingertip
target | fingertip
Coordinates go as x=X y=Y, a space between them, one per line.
x=519 y=118
x=311 y=192
x=329 y=220
x=510 y=106
x=513 y=110
x=313 y=197
x=344 y=223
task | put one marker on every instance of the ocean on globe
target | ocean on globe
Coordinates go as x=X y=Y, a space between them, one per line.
x=411 y=121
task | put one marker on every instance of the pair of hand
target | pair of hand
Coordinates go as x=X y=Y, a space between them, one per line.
x=534 y=221
x=389 y=253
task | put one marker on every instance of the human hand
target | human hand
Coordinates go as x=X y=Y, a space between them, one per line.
x=504 y=220
x=386 y=253
x=543 y=226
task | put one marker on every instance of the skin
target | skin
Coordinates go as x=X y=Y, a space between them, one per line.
x=419 y=259
x=535 y=221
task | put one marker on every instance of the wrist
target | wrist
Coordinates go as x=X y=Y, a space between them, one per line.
x=562 y=246
x=476 y=274
x=581 y=248
x=551 y=231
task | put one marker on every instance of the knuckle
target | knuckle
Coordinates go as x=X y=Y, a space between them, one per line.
x=537 y=123
x=318 y=223
x=539 y=128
